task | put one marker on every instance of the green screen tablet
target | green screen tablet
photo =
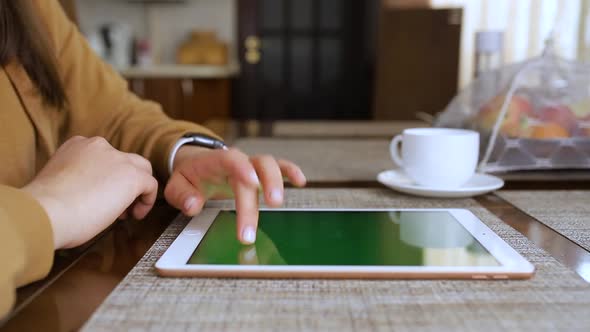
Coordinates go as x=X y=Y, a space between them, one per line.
x=328 y=243
x=409 y=238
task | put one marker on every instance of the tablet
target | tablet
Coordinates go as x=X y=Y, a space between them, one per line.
x=324 y=243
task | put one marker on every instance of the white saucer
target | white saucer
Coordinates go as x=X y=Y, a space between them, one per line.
x=479 y=184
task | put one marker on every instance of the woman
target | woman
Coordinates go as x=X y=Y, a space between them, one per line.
x=78 y=149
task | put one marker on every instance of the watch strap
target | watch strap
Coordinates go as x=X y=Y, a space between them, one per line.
x=195 y=140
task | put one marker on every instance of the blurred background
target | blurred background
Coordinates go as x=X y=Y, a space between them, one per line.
x=211 y=61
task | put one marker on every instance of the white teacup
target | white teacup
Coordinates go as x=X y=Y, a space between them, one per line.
x=437 y=157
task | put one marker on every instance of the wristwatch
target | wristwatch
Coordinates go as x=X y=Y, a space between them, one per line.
x=195 y=140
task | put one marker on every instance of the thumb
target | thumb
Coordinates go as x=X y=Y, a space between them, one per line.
x=181 y=194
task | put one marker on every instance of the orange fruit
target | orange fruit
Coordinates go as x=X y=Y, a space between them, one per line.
x=515 y=123
x=548 y=131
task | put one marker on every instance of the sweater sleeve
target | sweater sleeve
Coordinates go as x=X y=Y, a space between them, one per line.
x=26 y=243
x=100 y=103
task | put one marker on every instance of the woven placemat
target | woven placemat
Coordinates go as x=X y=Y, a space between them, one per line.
x=342 y=128
x=555 y=299
x=568 y=213
x=327 y=159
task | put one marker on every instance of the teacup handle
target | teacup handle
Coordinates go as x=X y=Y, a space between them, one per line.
x=394 y=149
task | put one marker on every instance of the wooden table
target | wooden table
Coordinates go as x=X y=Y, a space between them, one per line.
x=554 y=298
x=81 y=279
x=355 y=162
x=328 y=162
x=319 y=129
x=342 y=129
x=363 y=134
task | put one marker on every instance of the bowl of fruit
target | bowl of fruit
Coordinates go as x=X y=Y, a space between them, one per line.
x=535 y=134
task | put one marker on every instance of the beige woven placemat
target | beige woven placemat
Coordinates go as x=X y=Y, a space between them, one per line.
x=555 y=299
x=568 y=213
x=343 y=128
x=327 y=159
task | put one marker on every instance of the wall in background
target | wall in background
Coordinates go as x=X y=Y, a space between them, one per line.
x=165 y=25
x=417 y=61
x=526 y=25
x=584 y=33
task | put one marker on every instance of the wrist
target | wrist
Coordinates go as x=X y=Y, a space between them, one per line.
x=195 y=140
x=52 y=208
x=187 y=152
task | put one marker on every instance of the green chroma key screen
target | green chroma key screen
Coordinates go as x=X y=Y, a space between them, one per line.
x=400 y=238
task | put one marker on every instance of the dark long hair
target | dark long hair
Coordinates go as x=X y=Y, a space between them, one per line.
x=22 y=39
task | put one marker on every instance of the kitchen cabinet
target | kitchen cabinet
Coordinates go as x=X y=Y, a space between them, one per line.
x=190 y=99
x=196 y=93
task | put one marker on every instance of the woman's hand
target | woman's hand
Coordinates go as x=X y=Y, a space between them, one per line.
x=201 y=174
x=87 y=184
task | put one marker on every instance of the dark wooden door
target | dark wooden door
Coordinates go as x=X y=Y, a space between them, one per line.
x=306 y=59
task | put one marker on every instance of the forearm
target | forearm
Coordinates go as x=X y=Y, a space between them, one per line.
x=29 y=219
x=26 y=243
x=155 y=140
x=13 y=259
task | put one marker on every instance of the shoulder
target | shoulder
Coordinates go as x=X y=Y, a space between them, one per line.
x=53 y=17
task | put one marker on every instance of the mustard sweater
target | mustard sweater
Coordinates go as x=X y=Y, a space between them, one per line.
x=100 y=104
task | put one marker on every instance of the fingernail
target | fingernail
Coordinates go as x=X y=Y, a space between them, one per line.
x=276 y=195
x=302 y=176
x=249 y=235
x=254 y=178
x=190 y=203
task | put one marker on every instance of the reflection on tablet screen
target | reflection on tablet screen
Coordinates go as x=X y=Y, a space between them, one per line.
x=402 y=238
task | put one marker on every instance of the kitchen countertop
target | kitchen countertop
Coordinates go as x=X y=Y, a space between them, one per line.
x=183 y=71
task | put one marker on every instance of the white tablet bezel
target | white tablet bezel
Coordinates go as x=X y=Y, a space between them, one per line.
x=173 y=262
